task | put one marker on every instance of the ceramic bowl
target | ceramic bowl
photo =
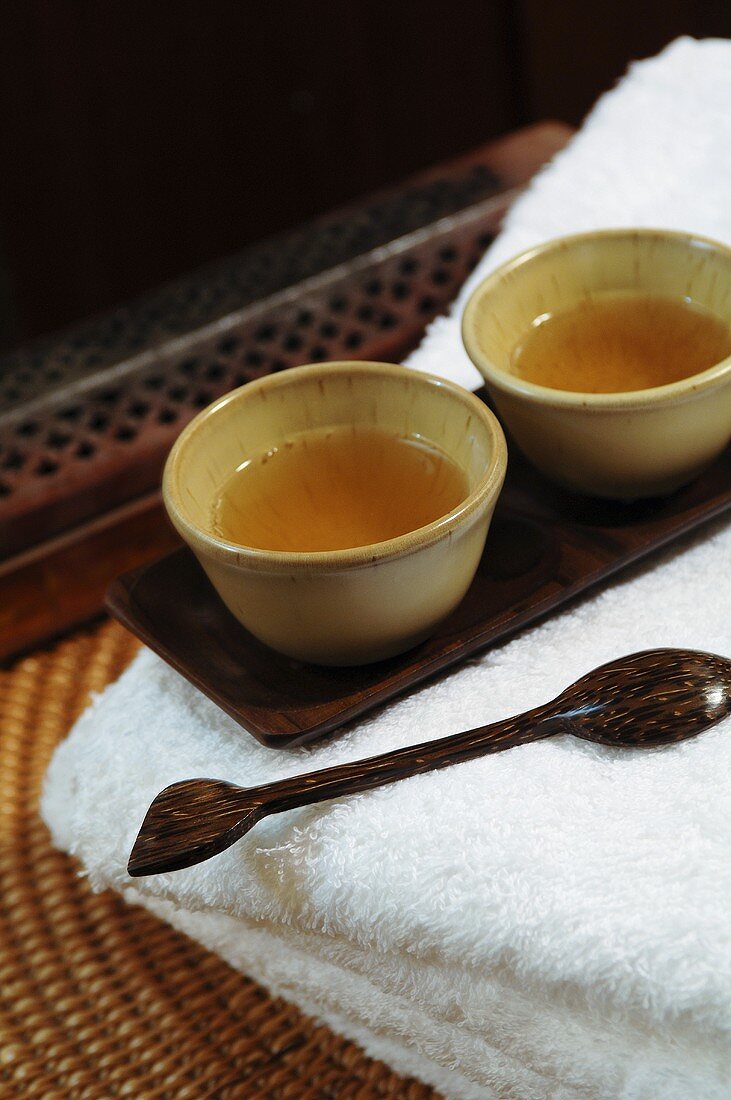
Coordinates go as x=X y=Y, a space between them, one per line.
x=617 y=445
x=353 y=606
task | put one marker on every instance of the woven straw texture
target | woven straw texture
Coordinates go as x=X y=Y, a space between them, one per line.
x=98 y=999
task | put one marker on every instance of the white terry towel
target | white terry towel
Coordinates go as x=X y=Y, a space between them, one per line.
x=550 y=922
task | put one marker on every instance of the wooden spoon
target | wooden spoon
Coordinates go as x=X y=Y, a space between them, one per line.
x=647 y=699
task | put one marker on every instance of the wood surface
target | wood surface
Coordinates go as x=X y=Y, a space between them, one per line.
x=544 y=547
x=656 y=697
x=87 y=419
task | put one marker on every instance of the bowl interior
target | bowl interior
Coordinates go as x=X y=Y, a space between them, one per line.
x=263 y=414
x=559 y=275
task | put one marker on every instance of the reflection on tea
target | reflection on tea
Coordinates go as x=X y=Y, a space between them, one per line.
x=620 y=342
x=335 y=488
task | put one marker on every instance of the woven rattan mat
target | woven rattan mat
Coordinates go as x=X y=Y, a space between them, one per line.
x=98 y=999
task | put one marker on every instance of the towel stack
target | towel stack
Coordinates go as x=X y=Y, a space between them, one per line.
x=551 y=922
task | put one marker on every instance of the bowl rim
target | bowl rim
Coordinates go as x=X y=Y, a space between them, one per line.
x=683 y=389
x=199 y=539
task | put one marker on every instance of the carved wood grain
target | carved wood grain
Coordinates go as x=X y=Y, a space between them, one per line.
x=656 y=697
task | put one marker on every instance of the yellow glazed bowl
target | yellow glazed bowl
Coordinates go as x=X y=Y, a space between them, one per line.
x=620 y=445
x=339 y=607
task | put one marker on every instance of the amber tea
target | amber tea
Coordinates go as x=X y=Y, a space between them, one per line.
x=621 y=342
x=337 y=488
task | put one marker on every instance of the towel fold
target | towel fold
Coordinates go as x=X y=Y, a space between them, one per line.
x=553 y=921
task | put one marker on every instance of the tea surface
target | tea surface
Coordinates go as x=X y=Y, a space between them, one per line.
x=617 y=343
x=336 y=488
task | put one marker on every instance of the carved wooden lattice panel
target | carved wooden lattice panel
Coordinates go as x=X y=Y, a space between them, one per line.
x=87 y=419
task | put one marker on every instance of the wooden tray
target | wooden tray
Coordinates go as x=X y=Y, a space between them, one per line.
x=544 y=546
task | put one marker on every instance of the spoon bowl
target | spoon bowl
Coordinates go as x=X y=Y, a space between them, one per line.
x=645 y=700
x=652 y=698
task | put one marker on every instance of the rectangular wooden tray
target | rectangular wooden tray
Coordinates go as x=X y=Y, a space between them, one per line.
x=545 y=546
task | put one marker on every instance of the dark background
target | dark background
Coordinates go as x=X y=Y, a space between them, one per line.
x=143 y=138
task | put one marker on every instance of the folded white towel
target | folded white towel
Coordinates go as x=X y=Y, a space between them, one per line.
x=553 y=921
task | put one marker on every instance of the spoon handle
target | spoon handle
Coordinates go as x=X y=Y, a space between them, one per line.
x=193 y=820
x=388 y=767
